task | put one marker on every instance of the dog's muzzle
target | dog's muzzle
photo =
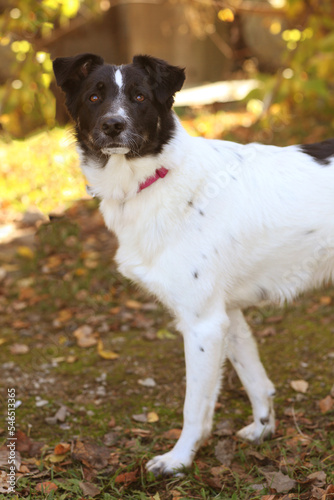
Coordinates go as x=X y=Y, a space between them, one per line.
x=112 y=127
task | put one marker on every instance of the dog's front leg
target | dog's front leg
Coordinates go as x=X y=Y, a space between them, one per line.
x=205 y=350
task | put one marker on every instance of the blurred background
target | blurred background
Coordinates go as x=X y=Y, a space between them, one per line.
x=256 y=70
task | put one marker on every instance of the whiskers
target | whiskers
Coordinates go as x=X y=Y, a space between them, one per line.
x=135 y=143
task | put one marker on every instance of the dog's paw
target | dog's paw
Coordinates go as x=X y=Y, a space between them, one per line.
x=168 y=464
x=257 y=432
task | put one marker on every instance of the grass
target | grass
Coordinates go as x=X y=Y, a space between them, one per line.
x=46 y=165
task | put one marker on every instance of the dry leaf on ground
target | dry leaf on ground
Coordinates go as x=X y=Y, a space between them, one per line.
x=46 y=487
x=91 y=455
x=299 y=386
x=89 y=489
x=224 y=451
x=172 y=434
x=278 y=481
x=126 y=477
x=104 y=353
x=62 y=448
x=18 y=349
x=85 y=336
x=152 y=417
x=326 y=404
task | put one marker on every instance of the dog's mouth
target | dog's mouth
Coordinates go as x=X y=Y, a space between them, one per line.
x=117 y=149
x=106 y=146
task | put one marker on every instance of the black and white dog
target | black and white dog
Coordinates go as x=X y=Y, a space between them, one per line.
x=208 y=226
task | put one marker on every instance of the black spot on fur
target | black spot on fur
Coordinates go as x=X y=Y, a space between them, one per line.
x=190 y=203
x=201 y=349
x=311 y=231
x=201 y=212
x=195 y=274
x=264 y=420
x=321 y=152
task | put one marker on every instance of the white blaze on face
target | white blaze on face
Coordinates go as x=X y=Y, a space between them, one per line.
x=119 y=78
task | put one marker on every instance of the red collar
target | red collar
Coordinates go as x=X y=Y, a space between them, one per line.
x=159 y=174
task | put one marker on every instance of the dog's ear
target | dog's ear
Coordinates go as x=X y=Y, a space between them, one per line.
x=71 y=71
x=164 y=78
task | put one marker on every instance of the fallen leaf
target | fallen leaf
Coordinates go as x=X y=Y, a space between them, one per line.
x=318 y=493
x=18 y=324
x=330 y=492
x=54 y=261
x=115 y=310
x=46 y=487
x=62 y=448
x=152 y=417
x=140 y=432
x=18 y=349
x=172 y=434
x=318 y=478
x=91 y=264
x=55 y=459
x=80 y=271
x=126 y=477
x=274 y=319
x=112 y=422
x=224 y=451
x=176 y=495
x=299 y=385
x=85 y=336
x=141 y=417
x=89 y=489
x=110 y=438
x=23 y=442
x=326 y=404
x=133 y=304
x=64 y=315
x=279 y=481
x=71 y=359
x=325 y=300
x=299 y=440
x=105 y=354
x=25 y=252
x=270 y=331
x=91 y=455
x=26 y=293
x=2 y=341
x=24 y=469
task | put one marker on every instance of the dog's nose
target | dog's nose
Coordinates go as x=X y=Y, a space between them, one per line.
x=113 y=126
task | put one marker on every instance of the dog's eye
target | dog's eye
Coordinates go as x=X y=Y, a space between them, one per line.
x=94 y=98
x=140 y=98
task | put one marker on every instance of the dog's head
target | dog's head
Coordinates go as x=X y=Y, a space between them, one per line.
x=119 y=109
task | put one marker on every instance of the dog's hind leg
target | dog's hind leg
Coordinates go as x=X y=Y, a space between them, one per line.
x=205 y=344
x=244 y=356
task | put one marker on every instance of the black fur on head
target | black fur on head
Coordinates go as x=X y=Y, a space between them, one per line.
x=70 y=72
x=118 y=108
x=164 y=78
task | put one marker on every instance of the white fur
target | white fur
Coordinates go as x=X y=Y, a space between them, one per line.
x=229 y=226
x=119 y=78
